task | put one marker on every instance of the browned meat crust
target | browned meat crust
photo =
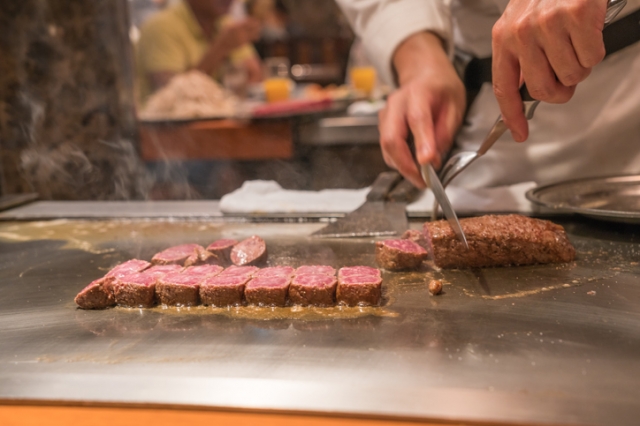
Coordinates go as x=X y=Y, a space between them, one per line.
x=313 y=289
x=179 y=289
x=99 y=294
x=397 y=255
x=223 y=290
x=267 y=291
x=499 y=241
x=363 y=290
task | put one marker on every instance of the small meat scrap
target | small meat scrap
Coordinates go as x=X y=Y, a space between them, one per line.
x=275 y=271
x=223 y=290
x=315 y=269
x=435 y=287
x=364 y=289
x=349 y=271
x=222 y=250
x=252 y=251
x=179 y=289
x=248 y=271
x=176 y=255
x=397 y=255
x=138 y=290
x=99 y=293
x=200 y=257
x=498 y=241
x=417 y=237
x=203 y=270
x=267 y=291
x=313 y=289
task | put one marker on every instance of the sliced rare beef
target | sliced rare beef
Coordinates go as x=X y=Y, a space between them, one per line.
x=176 y=255
x=223 y=290
x=275 y=271
x=315 y=269
x=138 y=290
x=359 y=290
x=99 y=294
x=252 y=251
x=249 y=271
x=179 y=289
x=397 y=255
x=498 y=241
x=221 y=249
x=267 y=291
x=313 y=289
x=203 y=270
x=349 y=271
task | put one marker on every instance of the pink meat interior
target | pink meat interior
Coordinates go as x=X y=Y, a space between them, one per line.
x=178 y=278
x=141 y=278
x=316 y=269
x=348 y=271
x=128 y=267
x=314 y=280
x=177 y=252
x=221 y=244
x=160 y=270
x=360 y=279
x=270 y=282
x=203 y=270
x=275 y=271
x=407 y=246
x=224 y=281
x=239 y=270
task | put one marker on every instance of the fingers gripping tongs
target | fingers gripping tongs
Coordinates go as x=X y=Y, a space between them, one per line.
x=461 y=160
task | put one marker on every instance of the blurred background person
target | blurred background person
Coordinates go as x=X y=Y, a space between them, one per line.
x=195 y=35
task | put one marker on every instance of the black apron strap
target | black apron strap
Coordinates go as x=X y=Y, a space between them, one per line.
x=619 y=34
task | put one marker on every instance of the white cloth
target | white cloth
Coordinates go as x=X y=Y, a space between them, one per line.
x=268 y=198
x=597 y=133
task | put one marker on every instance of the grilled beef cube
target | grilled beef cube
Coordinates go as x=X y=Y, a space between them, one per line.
x=223 y=290
x=138 y=290
x=397 y=255
x=362 y=290
x=498 y=241
x=267 y=291
x=313 y=289
x=179 y=289
x=99 y=294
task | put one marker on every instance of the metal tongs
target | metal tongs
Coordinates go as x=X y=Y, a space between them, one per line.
x=461 y=160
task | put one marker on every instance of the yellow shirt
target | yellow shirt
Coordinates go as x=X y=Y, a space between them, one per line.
x=172 y=41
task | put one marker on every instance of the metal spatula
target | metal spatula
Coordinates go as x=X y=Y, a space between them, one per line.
x=383 y=213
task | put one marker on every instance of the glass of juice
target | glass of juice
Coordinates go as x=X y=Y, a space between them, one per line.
x=363 y=79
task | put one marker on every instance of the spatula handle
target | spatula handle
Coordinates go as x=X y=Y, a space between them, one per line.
x=383 y=184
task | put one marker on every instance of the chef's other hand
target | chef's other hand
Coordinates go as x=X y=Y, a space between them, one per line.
x=430 y=101
x=551 y=45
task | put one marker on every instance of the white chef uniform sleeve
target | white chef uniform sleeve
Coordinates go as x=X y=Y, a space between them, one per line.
x=384 y=24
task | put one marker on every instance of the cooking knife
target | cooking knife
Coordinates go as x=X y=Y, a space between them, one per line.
x=430 y=177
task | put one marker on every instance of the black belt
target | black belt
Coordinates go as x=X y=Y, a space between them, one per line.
x=618 y=35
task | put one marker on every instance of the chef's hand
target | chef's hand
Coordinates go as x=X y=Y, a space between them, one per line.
x=430 y=101
x=551 y=45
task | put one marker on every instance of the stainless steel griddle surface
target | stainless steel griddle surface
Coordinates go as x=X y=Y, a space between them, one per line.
x=532 y=345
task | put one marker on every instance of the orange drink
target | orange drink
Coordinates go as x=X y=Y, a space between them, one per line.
x=363 y=79
x=277 y=89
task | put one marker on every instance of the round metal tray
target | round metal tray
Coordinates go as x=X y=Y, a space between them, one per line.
x=613 y=198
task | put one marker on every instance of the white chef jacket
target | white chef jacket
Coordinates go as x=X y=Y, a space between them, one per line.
x=597 y=133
